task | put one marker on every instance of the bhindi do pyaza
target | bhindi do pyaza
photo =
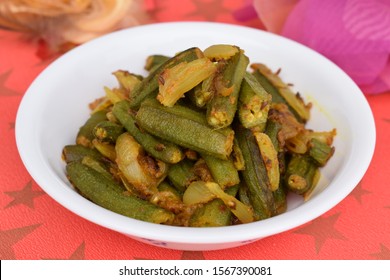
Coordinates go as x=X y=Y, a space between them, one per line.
x=205 y=139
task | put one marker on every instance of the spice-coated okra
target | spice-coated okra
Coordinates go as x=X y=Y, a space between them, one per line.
x=201 y=141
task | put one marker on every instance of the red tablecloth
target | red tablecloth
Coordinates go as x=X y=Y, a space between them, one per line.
x=34 y=226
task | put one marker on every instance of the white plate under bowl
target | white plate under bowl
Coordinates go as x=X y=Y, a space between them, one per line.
x=55 y=106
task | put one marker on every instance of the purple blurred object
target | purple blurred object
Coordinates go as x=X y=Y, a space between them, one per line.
x=354 y=34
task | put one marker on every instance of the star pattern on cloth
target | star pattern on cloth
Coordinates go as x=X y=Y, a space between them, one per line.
x=384 y=253
x=5 y=91
x=192 y=255
x=209 y=10
x=322 y=229
x=12 y=236
x=11 y=125
x=78 y=254
x=387 y=120
x=358 y=192
x=25 y=196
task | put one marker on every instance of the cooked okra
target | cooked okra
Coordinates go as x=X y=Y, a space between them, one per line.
x=149 y=85
x=200 y=141
x=108 y=194
x=184 y=127
x=107 y=131
x=85 y=134
x=254 y=103
x=222 y=108
x=165 y=151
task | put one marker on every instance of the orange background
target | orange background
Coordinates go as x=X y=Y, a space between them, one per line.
x=34 y=226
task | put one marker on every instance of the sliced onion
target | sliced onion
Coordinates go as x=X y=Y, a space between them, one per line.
x=129 y=157
x=202 y=192
x=240 y=210
x=197 y=192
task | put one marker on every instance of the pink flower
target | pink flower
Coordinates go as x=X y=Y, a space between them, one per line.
x=355 y=34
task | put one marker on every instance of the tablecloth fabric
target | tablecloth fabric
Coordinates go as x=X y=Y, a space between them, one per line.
x=34 y=226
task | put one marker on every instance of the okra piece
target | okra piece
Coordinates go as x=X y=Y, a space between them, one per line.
x=221 y=51
x=223 y=171
x=166 y=187
x=243 y=194
x=97 y=165
x=176 y=81
x=162 y=150
x=149 y=86
x=105 y=192
x=78 y=152
x=289 y=125
x=181 y=174
x=320 y=151
x=185 y=127
x=254 y=103
x=255 y=175
x=222 y=108
x=280 y=198
x=203 y=92
x=214 y=213
x=278 y=87
x=323 y=136
x=203 y=192
x=300 y=174
x=168 y=198
x=155 y=60
x=85 y=134
x=267 y=85
x=308 y=193
x=107 y=131
x=272 y=130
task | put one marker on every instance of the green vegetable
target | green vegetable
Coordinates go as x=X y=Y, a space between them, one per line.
x=154 y=61
x=163 y=150
x=107 y=131
x=222 y=108
x=106 y=193
x=277 y=87
x=149 y=86
x=213 y=213
x=85 y=134
x=181 y=174
x=255 y=175
x=78 y=152
x=254 y=103
x=300 y=174
x=320 y=151
x=184 y=127
x=223 y=171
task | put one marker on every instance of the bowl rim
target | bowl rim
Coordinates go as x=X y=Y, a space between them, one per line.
x=237 y=233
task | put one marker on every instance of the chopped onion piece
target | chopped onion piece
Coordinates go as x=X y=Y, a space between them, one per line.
x=202 y=192
x=197 y=192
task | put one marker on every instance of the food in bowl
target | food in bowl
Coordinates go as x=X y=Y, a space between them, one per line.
x=200 y=141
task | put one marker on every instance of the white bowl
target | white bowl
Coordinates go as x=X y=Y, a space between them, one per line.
x=55 y=106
